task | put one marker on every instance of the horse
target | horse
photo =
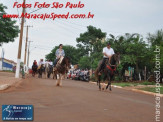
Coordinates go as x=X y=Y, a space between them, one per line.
x=48 y=70
x=41 y=70
x=34 y=70
x=61 y=69
x=108 y=71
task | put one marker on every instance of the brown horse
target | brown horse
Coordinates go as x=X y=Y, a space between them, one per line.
x=61 y=69
x=108 y=71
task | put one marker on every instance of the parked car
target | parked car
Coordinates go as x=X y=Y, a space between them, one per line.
x=84 y=77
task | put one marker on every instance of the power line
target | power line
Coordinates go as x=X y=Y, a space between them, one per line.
x=103 y=29
x=35 y=10
x=75 y=24
x=71 y=26
x=62 y=26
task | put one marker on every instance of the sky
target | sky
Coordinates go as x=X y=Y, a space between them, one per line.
x=115 y=17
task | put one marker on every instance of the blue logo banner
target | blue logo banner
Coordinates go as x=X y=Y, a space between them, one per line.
x=17 y=112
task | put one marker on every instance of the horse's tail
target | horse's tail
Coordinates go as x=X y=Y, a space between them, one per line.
x=97 y=77
x=96 y=73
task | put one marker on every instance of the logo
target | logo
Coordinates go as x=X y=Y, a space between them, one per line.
x=17 y=112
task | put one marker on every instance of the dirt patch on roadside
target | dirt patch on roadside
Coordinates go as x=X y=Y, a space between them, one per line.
x=7 y=78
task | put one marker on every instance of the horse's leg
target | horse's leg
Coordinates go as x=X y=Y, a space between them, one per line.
x=57 y=80
x=99 y=80
x=45 y=73
x=109 y=83
x=61 y=78
x=53 y=74
x=111 y=77
x=108 y=78
x=38 y=73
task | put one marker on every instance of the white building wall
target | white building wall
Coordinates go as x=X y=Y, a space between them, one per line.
x=0 y=65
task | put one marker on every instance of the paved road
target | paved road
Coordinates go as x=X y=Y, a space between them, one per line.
x=80 y=102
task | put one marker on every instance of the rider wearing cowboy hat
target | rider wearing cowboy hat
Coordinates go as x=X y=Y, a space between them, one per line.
x=107 y=52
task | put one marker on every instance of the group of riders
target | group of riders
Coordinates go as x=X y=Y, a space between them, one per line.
x=61 y=65
x=107 y=54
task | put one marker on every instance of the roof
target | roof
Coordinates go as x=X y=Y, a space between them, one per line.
x=11 y=61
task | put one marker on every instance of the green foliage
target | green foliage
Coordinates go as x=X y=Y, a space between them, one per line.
x=156 y=39
x=8 y=30
x=90 y=43
x=84 y=62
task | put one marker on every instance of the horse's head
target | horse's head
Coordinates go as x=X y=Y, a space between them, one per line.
x=115 y=59
x=66 y=61
x=42 y=66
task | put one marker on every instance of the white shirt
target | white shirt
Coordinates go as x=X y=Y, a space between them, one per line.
x=41 y=62
x=109 y=52
x=51 y=63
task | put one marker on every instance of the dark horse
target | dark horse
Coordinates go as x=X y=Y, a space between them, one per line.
x=41 y=70
x=108 y=71
x=34 y=70
x=61 y=69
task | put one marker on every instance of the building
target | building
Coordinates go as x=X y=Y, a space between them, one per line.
x=6 y=64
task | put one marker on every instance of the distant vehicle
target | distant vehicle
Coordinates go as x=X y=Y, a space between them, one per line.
x=84 y=77
x=68 y=75
x=73 y=76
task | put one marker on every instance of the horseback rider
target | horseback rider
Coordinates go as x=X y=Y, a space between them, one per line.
x=59 y=53
x=107 y=52
x=51 y=63
x=40 y=63
x=34 y=64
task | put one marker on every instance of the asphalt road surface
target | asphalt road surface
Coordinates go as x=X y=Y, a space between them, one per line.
x=79 y=101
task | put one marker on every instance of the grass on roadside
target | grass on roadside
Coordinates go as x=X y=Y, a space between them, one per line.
x=125 y=84
x=7 y=71
x=152 y=89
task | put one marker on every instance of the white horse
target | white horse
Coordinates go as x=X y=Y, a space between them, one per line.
x=48 y=70
x=60 y=70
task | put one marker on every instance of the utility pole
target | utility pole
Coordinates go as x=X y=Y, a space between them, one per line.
x=28 y=55
x=26 y=46
x=20 y=45
x=25 y=55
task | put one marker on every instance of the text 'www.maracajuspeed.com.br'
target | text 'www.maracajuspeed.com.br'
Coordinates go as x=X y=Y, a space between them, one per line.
x=52 y=16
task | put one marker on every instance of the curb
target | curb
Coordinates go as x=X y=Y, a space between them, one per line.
x=106 y=84
x=146 y=92
x=3 y=87
x=134 y=90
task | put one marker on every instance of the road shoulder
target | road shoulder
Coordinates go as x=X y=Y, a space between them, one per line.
x=134 y=89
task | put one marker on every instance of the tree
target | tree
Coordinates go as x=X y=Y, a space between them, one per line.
x=84 y=62
x=90 y=44
x=156 y=39
x=91 y=40
x=8 y=29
